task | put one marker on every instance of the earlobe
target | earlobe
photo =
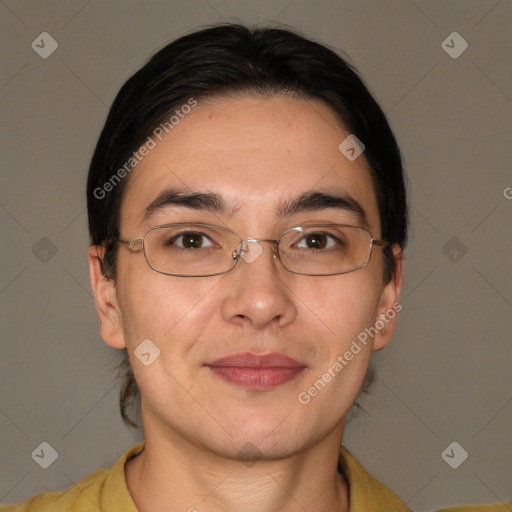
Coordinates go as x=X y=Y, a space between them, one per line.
x=389 y=305
x=107 y=304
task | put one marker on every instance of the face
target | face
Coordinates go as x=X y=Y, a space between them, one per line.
x=256 y=153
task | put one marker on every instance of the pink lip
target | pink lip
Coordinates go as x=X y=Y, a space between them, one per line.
x=256 y=371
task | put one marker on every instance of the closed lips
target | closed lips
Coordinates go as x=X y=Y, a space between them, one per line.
x=250 y=360
x=255 y=371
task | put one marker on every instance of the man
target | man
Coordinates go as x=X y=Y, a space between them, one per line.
x=247 y=213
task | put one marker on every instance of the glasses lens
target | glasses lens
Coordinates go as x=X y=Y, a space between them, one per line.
x=190 y=249
x=325 y=249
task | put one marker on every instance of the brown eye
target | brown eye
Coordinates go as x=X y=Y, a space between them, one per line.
x=316 y=241
x=190 y=240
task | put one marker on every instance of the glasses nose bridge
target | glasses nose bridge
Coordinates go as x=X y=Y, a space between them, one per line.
x=242 y=246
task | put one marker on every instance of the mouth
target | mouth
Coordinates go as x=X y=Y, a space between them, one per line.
x=256 y=371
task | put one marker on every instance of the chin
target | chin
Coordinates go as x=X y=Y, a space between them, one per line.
x=261 y=438
x=251 y=450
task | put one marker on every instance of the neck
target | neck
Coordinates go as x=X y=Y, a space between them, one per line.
x=172 y=474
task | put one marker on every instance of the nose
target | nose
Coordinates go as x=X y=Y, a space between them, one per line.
x=256 y=293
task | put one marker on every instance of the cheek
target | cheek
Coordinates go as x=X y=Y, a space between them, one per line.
x=173 y=313
x=163 y=308
x=339 y=312
x=342 y=305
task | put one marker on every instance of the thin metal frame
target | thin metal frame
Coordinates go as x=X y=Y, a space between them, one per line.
x=138 y=243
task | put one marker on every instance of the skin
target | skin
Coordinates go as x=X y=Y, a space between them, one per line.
x=196 y=425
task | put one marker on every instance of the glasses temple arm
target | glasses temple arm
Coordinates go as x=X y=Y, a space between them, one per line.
x=132 y=244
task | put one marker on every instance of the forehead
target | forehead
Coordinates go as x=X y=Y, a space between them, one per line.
x=256 y=152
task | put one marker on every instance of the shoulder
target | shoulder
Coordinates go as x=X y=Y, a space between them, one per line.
x=368 y=494
x=103 y=491
x=497 y=507
x=82 y=496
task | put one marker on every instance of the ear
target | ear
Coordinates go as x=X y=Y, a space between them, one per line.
x=389 y=307
x=107 y=305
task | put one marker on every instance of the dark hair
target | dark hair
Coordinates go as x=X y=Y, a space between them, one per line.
x=233 y=59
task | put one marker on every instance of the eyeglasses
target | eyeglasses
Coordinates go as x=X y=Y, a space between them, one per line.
x=202 y=250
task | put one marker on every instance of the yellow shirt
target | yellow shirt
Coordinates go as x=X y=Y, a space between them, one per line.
x=106 y=491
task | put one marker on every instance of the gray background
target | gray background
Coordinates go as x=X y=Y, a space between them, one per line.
x=445 y=376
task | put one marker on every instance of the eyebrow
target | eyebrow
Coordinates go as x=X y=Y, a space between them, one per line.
x=318 y=200
x=216 y=203
x=201 y=201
